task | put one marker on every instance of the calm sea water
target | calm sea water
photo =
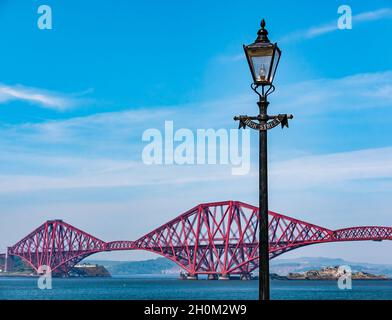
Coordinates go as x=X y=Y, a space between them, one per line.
x=158 y=287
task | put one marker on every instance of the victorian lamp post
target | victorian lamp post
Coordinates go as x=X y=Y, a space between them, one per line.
x=263 y=58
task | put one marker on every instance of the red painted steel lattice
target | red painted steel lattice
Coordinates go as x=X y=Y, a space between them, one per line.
x=211 y=238
x=56 y=244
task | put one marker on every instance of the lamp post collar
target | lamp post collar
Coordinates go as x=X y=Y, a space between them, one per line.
x=262 y=34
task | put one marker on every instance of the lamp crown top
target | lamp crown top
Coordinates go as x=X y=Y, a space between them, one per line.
x=262 y=34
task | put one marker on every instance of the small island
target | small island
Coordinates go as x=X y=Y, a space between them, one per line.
x=89 y=270
x=327 y=273
x=19 y=268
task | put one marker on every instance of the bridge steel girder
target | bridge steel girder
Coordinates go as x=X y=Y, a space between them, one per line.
x=219 y=238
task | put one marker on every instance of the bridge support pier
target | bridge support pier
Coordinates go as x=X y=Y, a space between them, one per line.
x=8 y=266
x=188 y=276
x=224 y=277
x=245 y=276
x=3 y=267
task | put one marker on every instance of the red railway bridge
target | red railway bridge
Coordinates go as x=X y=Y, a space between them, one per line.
x=218 y=239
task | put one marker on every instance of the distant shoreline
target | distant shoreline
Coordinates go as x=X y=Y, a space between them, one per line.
x=306 y=268
x=11 y=275
x=285 y=278
x=159 y=276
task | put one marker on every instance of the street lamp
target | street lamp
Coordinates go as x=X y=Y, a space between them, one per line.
x=263 y=58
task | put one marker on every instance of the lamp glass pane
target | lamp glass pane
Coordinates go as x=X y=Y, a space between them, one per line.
x=274 y=65
x=260 y=60
x=261 y=67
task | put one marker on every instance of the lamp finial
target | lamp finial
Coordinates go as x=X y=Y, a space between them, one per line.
x=262 y=34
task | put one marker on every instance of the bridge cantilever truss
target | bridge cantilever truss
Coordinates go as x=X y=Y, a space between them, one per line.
x=217 y=238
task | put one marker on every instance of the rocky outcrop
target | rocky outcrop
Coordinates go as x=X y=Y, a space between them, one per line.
x=333 y=273
x=90 y=270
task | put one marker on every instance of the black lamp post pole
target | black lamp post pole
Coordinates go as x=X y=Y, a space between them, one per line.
x=264 y=288
x=263 y=125
x=263 y=58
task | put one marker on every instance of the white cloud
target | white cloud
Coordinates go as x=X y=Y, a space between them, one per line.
x=373 y=15
x=40 y=97
x=316 y=31
x=333 y=169
x=77 y=172
x=101 y=150
x=306 y=172
x=351 y=93
x=104 y=150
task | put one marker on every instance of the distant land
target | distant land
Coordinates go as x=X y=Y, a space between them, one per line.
x=279 y=266
x=328 y=273
x=305 y=267
x=90 y=270
x=303 y=264
x=153 y=266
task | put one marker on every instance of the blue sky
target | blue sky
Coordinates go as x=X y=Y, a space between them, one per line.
x=75 y=100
